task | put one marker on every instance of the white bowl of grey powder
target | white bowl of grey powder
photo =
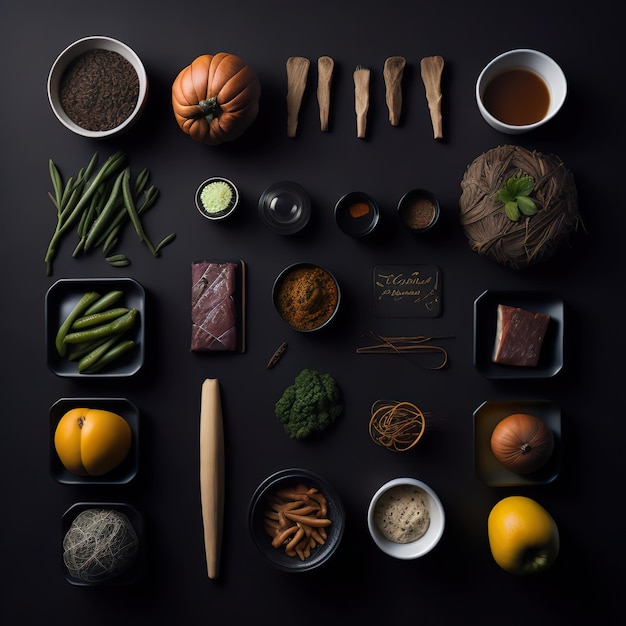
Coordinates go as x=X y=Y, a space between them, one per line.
x=405 y=518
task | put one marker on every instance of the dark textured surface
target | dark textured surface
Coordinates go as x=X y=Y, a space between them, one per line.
x=458 y=581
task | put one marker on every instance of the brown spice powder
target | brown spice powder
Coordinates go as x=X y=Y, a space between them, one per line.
x=419 y=214
x=307 y=297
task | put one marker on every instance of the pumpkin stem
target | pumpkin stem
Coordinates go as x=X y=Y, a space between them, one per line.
x=526 y=448
x=210 y=108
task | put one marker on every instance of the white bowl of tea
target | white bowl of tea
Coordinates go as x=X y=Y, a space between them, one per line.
x=520 y=90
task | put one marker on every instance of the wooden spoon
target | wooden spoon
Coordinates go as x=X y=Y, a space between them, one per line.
x=297 y=73
x=325 y=68
x=432 y=68
x=361 y=99
x=393 y=71
x=212 y=472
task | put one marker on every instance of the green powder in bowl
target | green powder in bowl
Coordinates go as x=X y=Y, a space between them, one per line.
x=216 y=198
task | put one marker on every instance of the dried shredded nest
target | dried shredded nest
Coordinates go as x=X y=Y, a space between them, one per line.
x=99 y=545
x=530 y=239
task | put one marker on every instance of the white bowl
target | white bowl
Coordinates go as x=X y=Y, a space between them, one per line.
x=536 y=62
x=426 y=542
x=73 y=51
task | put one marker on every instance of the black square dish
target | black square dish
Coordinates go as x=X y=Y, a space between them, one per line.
x=126 y=471
x=487 y=466
x=485 y=325
x=61 y=299
x=133 y=516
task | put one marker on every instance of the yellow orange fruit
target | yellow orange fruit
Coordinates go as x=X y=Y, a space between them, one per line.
x=523 y=536
x=92 y=442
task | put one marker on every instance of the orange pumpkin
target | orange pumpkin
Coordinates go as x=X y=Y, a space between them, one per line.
x=92 y=442
x=522 y=443
x=216 y=98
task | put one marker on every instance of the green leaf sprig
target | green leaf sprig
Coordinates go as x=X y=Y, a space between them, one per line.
x=515 y=194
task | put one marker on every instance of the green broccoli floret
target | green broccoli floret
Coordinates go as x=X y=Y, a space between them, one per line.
x=310 y=405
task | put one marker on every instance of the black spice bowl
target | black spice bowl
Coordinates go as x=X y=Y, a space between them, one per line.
x=306 y=297
x=357 y=214
x=418 y=210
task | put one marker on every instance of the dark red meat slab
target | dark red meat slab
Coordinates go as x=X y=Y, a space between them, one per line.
x=519 y=336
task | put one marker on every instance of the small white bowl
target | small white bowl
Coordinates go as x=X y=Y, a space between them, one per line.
x=536 y=62
x=72 y=52
x=426 y=542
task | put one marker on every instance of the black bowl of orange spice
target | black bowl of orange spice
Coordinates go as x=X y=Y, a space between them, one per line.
x=357 y=214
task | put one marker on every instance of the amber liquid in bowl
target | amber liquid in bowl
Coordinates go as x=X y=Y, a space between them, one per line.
x=517 y=97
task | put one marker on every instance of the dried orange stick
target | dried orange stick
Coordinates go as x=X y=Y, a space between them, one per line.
x=321 y=500
x=305 y=510
x=296 y=539
x=283 y=536
x=316 y=522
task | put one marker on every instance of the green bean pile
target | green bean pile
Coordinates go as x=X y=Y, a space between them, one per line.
x=99 y=201
x=95 y=332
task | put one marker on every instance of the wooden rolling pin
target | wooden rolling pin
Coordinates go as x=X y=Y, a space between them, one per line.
x=212 y=472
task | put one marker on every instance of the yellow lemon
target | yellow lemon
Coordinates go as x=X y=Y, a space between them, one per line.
x=523 y=536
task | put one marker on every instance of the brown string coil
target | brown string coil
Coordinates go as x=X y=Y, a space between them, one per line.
x=397 y=426
x=530 y=239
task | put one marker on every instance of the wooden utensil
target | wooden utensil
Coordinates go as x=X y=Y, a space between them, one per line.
x=325 y=69
x=432 y=68
x=361 y=99
x=297 y=73
x=212 y=473
x=393 y=70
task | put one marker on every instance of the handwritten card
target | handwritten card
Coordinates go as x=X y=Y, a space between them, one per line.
x=407 y=291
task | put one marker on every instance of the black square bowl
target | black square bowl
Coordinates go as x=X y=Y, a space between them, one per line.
x=60 y=300
x=485 y=325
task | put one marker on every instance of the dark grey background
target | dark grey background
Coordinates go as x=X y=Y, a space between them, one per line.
x=459 y=579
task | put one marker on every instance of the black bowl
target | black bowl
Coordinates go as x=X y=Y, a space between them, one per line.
x=277 y=556
x=357 y=214
x=418 y=210
x=276 y=292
